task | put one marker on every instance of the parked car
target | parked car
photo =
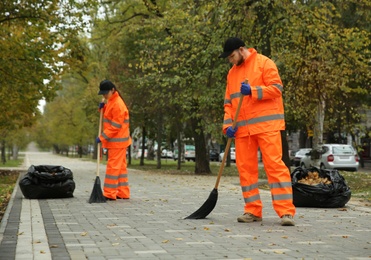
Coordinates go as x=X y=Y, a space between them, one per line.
x=292 y=156
x=232 y=152
x=189 y=153
x=139 y=153
x=213 y=155
x=334 y=156
x=166 y=153
x=298 y=155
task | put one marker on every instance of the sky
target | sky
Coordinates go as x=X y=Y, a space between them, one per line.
x=41 y=105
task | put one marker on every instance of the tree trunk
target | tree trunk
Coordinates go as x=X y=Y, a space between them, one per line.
x=179 y=143
x=129 y=155
x=143 y=146
x=318 y=134
x=79 y=151
x=3 y=159
x=265 y=27
x=202 y=165
x=15 y=152
x=302 y=139
x=358 y=147
x=56 y=149
x=159 y=140
x=285 y=150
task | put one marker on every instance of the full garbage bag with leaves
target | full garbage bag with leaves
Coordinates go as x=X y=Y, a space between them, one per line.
x=47 y=181
x=315 y=187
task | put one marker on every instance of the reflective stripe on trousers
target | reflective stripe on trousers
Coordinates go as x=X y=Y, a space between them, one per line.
x=116 y=183
x=278 y=175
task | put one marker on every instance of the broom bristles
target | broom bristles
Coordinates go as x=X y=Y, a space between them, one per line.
x=207 y=207
x=97 y=194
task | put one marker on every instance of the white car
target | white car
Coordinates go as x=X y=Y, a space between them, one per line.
x=334 y=156
x=139 y=153
x=188 y=153
x=166 y=153
x=298 y=155
x=232 y=152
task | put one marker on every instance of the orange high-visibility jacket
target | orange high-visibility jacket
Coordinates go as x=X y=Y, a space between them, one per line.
x=116 y=133
x=262 y=111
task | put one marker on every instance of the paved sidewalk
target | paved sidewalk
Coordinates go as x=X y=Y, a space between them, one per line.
x=151 y=226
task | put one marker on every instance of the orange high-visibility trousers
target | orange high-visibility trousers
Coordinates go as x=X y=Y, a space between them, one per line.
x=116 y=182
x=278 y=175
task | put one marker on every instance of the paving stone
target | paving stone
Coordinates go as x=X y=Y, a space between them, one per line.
x=151 y=224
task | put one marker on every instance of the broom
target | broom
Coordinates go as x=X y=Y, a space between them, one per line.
x=97 y=194
x=210 y=203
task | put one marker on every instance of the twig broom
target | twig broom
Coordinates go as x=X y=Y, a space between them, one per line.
x=210 y=203
x=97 y=194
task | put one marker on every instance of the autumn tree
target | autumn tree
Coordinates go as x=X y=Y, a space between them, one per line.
x=34 y=52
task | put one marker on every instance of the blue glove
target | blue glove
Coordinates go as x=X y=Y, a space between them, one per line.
x=97 y=140
x=231 y=132
x=245 y=88
x=101 y=105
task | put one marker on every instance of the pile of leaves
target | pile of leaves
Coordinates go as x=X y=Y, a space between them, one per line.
x=313 y=178
x=8 y=180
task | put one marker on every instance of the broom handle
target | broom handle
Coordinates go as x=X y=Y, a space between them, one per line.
x=99 y=132
x=228 y=143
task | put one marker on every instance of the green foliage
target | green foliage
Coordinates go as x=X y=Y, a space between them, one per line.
x=322 y=61
x=35 y=49
x=163 y=57
x=65 y=120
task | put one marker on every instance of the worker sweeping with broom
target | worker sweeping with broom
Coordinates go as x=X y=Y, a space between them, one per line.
x=258 y=125
x=116 y=138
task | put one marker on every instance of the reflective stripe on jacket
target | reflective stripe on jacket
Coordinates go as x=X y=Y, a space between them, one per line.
x=116 y=133
x=262 y=111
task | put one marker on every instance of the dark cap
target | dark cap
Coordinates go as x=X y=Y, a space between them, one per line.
x=105 y=86
x=230 y=45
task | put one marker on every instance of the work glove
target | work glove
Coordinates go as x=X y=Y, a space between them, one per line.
x=98 y=140
x=231 y=132
x=245 y=88
x=101 y=105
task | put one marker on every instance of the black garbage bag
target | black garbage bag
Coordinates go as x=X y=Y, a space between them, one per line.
x=334 y=195
x=47 y=181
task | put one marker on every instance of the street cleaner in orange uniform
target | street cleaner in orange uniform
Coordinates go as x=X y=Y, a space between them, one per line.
x=116 y=138
x=259 y=123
